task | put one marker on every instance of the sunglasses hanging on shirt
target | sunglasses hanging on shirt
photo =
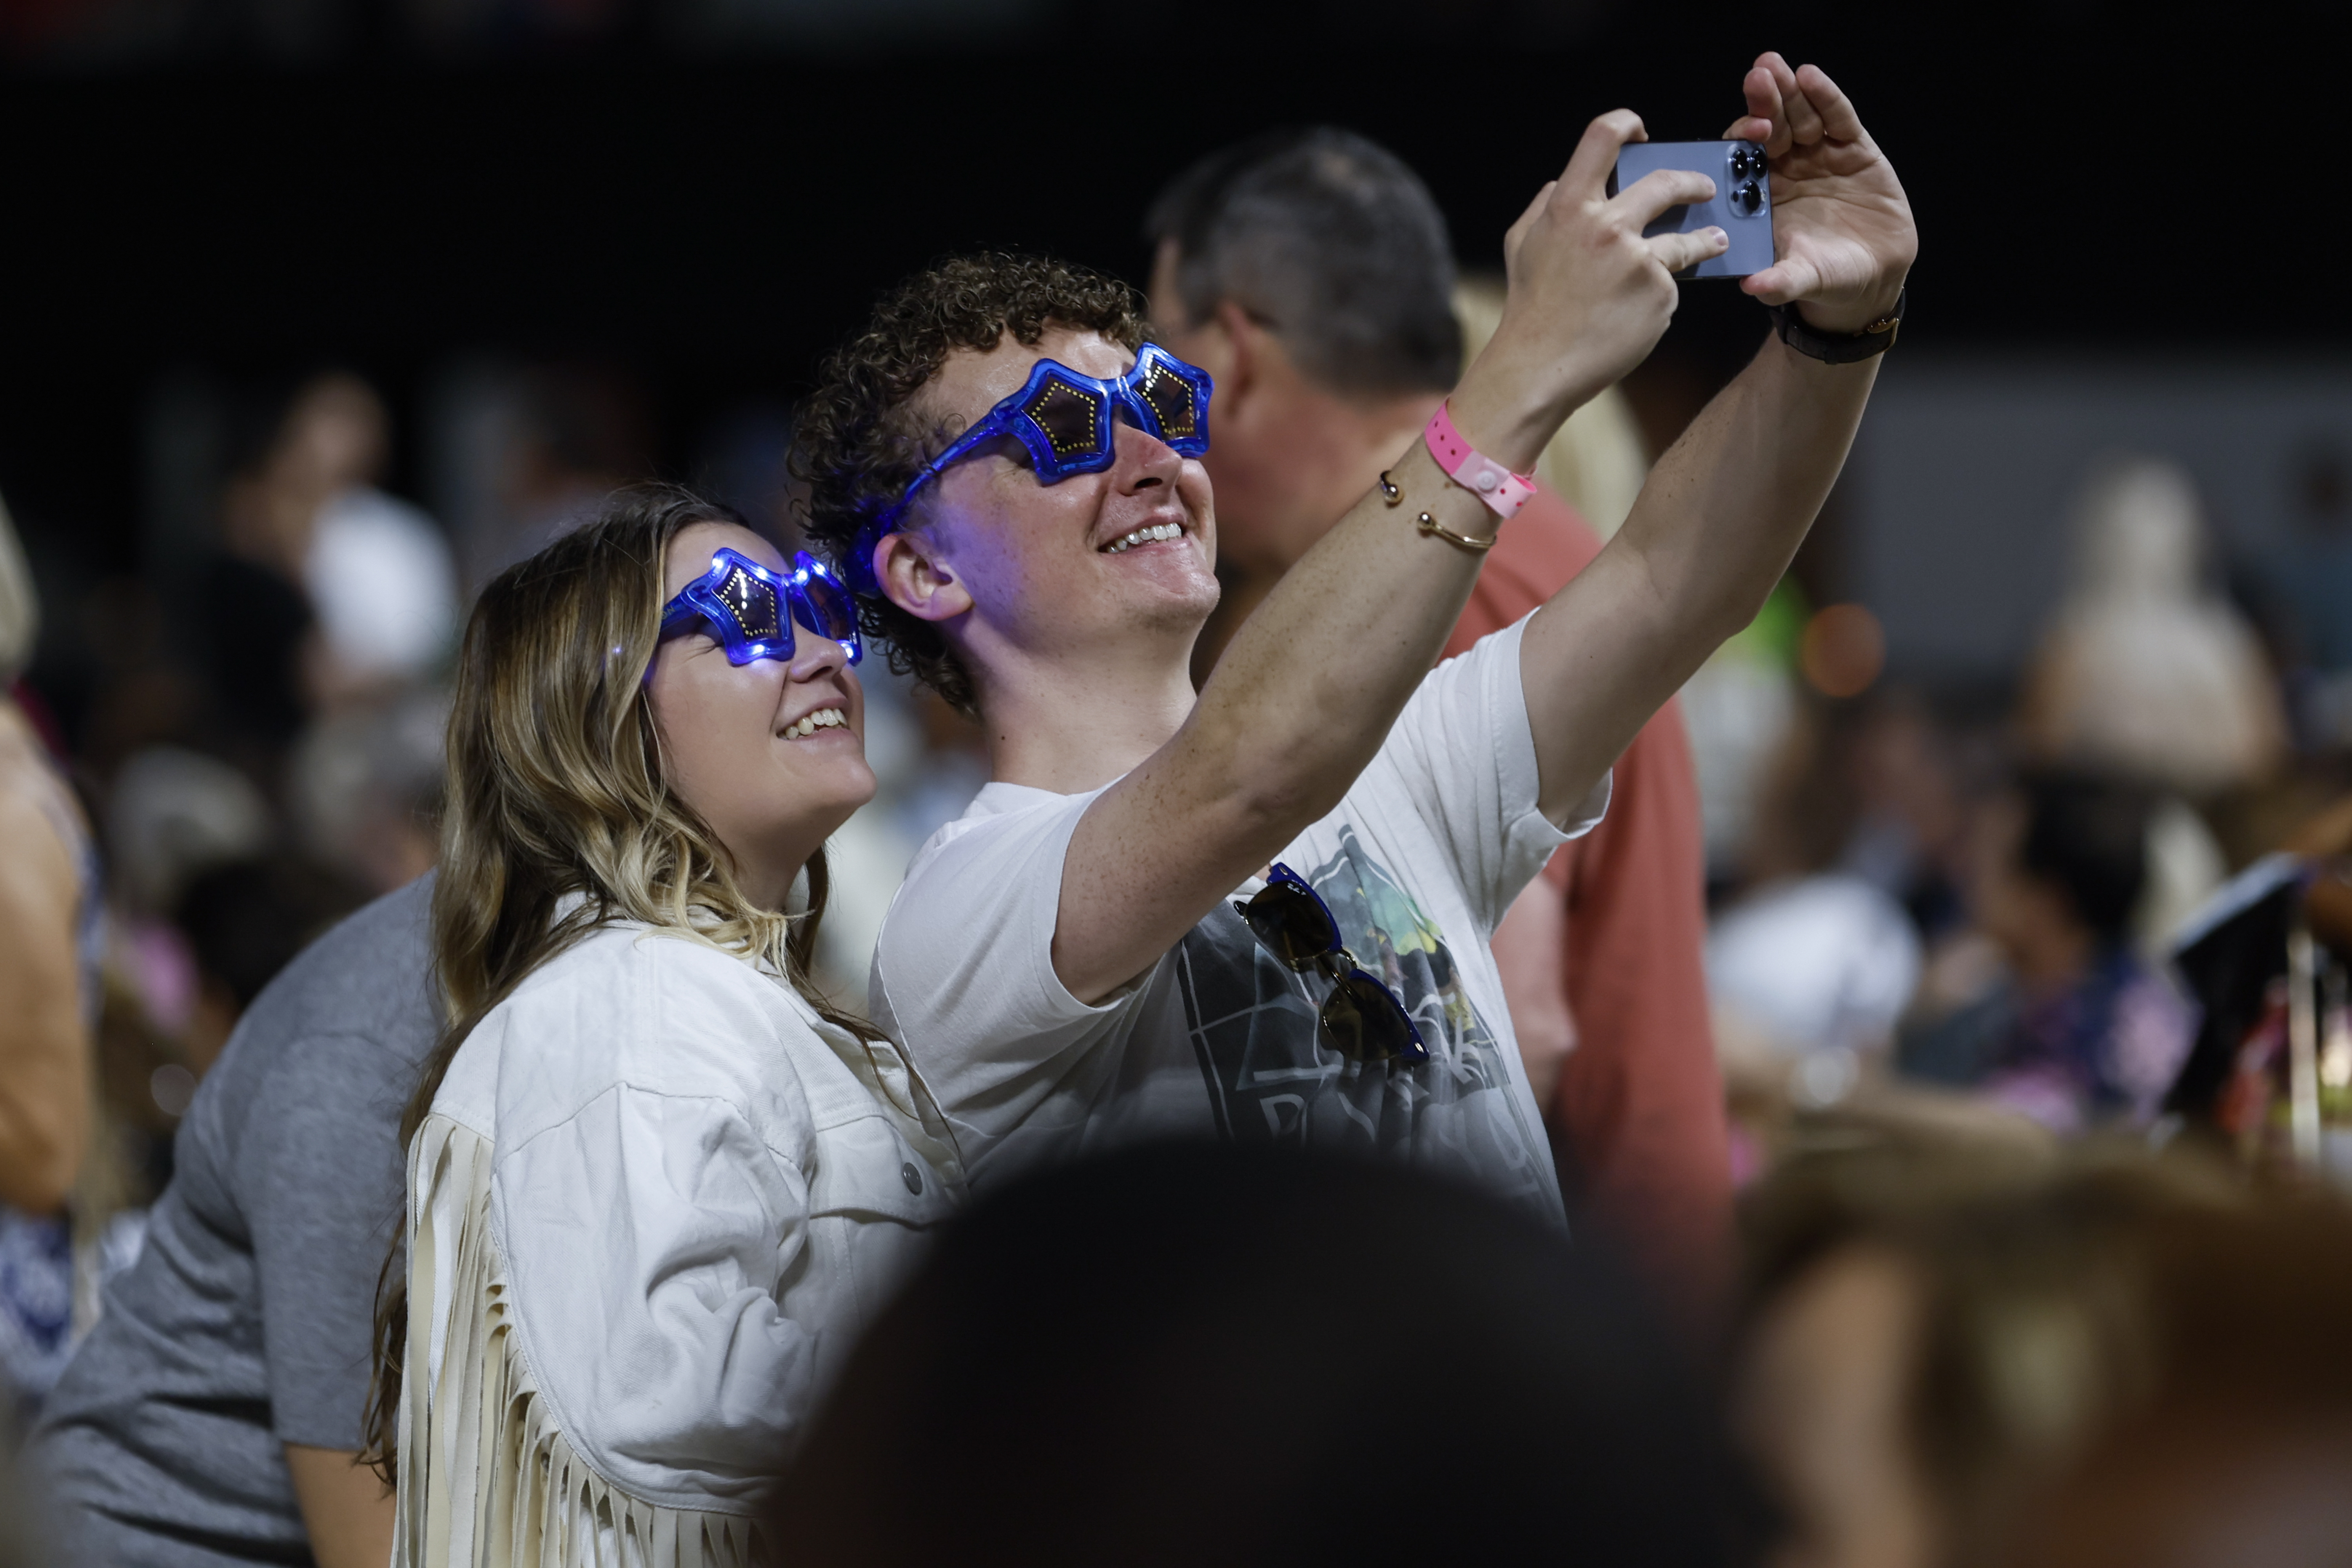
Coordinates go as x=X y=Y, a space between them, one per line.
x=1362 y=1019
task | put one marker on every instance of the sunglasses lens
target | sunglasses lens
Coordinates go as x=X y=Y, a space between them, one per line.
x=1072 y=419
x=753 y=604
x=829 y=611
x=1291 y=922
x=1364 y=1022
x=1172 y=401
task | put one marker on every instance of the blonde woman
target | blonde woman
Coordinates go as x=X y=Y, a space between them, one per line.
x=656 y=1185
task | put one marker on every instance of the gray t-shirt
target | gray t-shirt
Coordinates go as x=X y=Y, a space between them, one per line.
x=246 y=1323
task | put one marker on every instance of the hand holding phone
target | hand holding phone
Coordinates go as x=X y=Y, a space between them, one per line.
x=1741 y=205
x=1843 y=230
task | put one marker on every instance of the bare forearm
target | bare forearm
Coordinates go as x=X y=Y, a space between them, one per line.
x=1715 y=528
x=1731 y=500
x=1299 y=703
x=347 y=1510
x=44 y=1130
x=44 y=1046
x=1308 y=689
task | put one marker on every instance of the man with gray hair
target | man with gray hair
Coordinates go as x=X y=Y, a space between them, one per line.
x=1310 y=272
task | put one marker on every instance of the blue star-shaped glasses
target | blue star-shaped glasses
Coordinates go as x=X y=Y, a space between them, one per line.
x=742 y=603
x=1065 y=419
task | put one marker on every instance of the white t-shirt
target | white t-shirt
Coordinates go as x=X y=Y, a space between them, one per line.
x=1418 y=863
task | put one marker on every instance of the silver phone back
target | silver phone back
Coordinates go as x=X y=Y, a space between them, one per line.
x=1750 y=232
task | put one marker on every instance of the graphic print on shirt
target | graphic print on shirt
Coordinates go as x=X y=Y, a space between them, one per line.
x=1271 y=1079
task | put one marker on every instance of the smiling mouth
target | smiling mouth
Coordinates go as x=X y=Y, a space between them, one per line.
x=1152 y=535
x=810 y=723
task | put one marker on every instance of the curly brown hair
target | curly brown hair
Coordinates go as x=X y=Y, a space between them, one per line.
x=860 y=438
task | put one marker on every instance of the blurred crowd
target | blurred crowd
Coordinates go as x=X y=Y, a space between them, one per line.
x=1982 y=894
x=2012 y=1085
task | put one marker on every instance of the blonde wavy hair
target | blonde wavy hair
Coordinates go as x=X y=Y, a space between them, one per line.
x=560 y=818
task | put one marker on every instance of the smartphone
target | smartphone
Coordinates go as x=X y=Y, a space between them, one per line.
x=1741 y=206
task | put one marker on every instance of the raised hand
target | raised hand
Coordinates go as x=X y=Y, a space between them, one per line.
x=1588 y=295
x=1842 y=227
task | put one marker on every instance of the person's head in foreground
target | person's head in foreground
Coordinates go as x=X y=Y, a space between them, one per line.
x=1949 y=1359
x=1191 y=1353
x=656 y=727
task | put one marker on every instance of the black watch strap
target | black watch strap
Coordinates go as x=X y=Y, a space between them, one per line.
x=1839 y=348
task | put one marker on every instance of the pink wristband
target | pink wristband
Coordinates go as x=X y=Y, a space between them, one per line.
x=1504 y=491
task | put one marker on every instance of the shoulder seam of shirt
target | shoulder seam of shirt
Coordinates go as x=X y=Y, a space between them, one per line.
x=501 y=1151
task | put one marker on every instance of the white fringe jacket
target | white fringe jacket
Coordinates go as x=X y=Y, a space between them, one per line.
x=656 y=1201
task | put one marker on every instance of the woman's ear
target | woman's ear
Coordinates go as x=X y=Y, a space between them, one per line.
x=916 y=579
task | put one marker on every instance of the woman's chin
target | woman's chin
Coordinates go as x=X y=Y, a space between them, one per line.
x=834 y=792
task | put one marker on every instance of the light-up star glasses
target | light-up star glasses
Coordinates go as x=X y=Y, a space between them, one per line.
x=742 y=603
x=1065 y=418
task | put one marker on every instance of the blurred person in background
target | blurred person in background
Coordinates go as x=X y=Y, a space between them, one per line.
x=2238 y=1453
x=2144 y=673
x=325 y=592
x=49 y=951
x=1133 y=1361
x=1310 y=273
x=214 y=1417
x=378 y=571
x=521 y=455
x=1742 y=709
x=1962 y=1354
x=655 y=1186
x=254 y=623
x=244 y=921
x=2081 y=1031
x=365 y=790
x=1811 y=967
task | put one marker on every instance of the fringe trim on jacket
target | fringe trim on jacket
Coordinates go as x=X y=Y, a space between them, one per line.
x=486 y=1480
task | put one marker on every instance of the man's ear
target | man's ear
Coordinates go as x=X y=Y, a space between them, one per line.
x=916 y=578
x=1245 y=345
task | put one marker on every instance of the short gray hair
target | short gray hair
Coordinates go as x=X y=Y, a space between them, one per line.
x=1330 y=239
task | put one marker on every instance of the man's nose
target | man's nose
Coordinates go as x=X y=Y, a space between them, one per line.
x=1143 y=459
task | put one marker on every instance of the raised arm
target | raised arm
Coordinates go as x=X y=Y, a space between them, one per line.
x=1306 y=691
x=1726 y=508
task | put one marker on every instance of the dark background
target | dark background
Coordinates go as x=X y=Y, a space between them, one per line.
x=257 y=189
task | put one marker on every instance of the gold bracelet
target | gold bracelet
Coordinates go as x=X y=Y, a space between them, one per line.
x=1428 y=524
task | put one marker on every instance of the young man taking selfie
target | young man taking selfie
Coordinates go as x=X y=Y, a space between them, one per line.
x=1263 y=912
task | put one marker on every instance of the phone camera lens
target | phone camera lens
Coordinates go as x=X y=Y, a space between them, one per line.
x=1747 y=199
x=1746 y=163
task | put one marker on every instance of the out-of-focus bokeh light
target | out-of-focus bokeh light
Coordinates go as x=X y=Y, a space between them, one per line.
x=1843 y=650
